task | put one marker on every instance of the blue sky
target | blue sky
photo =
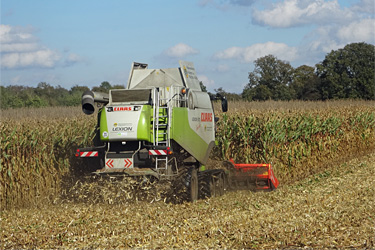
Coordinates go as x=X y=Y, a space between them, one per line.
x=86 y=42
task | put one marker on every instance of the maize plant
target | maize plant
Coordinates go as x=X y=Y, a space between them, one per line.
x=296 y=142
x=35 y=154
x=37 y=146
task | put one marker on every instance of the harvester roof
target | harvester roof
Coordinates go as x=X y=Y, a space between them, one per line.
x=142 y=77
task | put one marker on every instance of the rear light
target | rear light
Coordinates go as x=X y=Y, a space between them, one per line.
x=169 y=151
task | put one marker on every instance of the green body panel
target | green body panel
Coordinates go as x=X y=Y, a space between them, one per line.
x=181 y=131
x=144 y=124
x=186 y=137
x=103 y=124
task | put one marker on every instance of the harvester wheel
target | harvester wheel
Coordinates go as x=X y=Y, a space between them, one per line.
x=212 y=185
x=192 y=185
x=185 y=186
x=204 y=185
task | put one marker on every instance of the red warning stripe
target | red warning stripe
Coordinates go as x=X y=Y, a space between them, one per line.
x=128 y=163
x=109 y=163
x=157 y=152
x=88 y=154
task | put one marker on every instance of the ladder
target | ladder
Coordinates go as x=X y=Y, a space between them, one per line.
x=161 y=128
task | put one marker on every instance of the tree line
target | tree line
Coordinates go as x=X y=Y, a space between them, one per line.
x=347 y=73
x=45 y=95
x=344 y=73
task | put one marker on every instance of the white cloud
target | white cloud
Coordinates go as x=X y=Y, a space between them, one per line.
x=72 y=59
x=291 y=13
x=42 y=58
x=180 y=50
x=209 y=83
x=253 y=52
x=366 y=6
x=334 y=26
x=324 y=39
x=359 y=31
x=17 y=39
x=20 y=48
x=13 y=34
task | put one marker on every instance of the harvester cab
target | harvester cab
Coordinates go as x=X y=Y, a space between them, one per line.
x=161 y=125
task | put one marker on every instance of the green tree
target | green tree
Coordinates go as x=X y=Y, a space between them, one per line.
x=270 y=79
x=78 y=89
x=104 y=87
x=75 y=95
x=118 y=86
x=305 y=84
x=230 y=96
x=45 y=92
x=348 y=72
x=35 y=102
x=203 y=87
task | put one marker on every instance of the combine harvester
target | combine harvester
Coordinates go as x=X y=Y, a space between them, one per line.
x=162 y=126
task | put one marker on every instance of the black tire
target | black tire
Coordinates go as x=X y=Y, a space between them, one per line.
x=185 y=186
x=204 y=185
x=192 y=184
x=212 y=184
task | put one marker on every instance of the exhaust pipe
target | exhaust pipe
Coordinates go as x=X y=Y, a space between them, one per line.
x=90 y=97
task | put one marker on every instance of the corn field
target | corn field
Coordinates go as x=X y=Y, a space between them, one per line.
x=37 y=146
x=322 y=153
x=37 y=151
x=297 y=143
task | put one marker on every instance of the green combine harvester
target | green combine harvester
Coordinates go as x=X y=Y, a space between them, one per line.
x=162 y=126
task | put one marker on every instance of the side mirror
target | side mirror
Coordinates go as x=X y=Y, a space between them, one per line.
x=224 y=104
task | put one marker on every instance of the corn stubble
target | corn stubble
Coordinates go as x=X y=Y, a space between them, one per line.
x=63 y=207
x=330 y=210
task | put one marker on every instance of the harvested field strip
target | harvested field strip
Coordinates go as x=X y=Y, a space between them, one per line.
x=333 y=209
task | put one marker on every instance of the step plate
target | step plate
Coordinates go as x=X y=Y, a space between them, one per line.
x=122 y=163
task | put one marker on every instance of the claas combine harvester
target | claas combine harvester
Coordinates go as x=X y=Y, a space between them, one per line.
x=162 y=126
